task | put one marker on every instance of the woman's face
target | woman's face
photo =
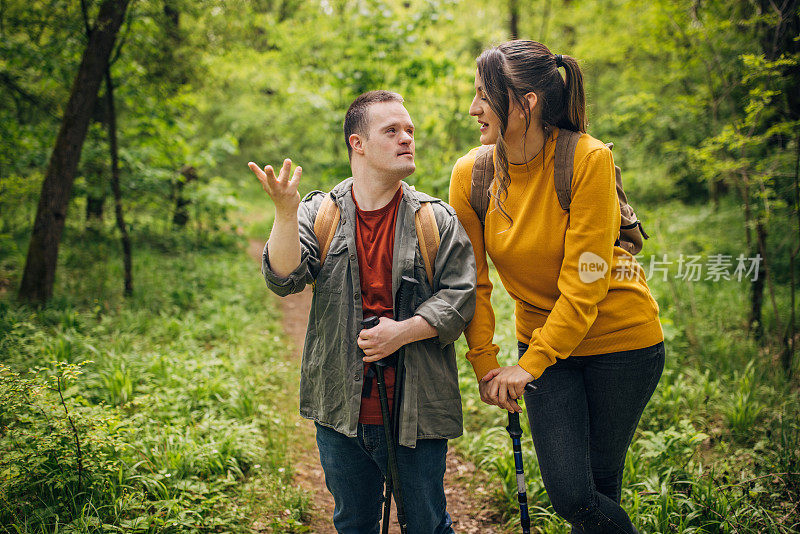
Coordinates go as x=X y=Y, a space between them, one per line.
x=490 y=122
x=487 y=119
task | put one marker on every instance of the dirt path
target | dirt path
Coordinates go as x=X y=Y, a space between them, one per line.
x=465 y=490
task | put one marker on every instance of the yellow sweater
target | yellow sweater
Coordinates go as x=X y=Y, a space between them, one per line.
x=552 y=263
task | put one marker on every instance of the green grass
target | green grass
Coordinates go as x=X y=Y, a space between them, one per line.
x=182 y=403
x=717 y=447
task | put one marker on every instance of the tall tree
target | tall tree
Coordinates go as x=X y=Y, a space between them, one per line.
x=114 y=151
x=40 y=265
x=513 y=19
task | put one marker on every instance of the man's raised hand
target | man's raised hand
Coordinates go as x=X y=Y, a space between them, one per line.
x=282 y=190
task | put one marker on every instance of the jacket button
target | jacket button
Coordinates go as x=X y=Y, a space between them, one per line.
x=357 y=377
x=352 y=256
x=356 y=296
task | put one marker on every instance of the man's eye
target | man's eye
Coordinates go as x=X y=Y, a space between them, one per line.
x=390 y=130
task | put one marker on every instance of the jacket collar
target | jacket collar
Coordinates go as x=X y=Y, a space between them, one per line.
x=345 y=188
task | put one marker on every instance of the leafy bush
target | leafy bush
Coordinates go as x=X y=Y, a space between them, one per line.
x=163 y=414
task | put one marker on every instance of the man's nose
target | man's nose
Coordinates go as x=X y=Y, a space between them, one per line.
x=406 y=137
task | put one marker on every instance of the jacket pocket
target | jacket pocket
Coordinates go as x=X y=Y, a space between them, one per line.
x=331 y=277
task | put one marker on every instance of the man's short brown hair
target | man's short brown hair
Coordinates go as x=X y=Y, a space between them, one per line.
x=355 y=121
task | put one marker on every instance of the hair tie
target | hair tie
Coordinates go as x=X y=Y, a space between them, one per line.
x=559 y=60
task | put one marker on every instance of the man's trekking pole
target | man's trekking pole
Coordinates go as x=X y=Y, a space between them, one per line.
x=388 y=429
x=404 y=310
x=515 y=431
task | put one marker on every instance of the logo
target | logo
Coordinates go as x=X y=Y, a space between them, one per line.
x=591 y=267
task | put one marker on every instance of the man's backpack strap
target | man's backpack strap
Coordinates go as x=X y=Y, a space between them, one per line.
x=325 y=225
x=566 y=143
x=482 y=176
x=428 y=237
x=425 y=222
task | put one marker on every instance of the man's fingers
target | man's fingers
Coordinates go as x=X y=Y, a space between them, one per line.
x=298 y=172
x=261 y=175
x=258 y=172
x=374 y=357
x=283 y=176
x=269 y=172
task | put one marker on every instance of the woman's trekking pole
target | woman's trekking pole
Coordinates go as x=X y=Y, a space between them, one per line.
x=388 y=427
x=515 y=431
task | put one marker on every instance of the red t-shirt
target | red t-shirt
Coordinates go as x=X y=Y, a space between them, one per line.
x=375 y=246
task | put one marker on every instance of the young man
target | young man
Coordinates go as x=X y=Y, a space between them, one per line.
x=373 y=247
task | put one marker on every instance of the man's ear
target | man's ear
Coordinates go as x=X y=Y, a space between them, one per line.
x=356 y=143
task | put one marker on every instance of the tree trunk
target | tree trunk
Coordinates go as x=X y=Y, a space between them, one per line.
x=790 y=338
x=545 y=22
x=112 y=144
x=513 y=19
x=94 y=208
x=757 y=302
x=181 y=215
x=51 y=212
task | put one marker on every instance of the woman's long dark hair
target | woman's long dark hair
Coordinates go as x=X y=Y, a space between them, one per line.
x=516 y=68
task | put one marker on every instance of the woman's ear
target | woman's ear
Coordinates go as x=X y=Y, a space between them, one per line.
x=533 y=100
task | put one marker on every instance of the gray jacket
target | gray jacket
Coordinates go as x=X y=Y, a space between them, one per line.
x=332 y=370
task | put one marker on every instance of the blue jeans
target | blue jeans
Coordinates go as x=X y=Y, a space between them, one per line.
x=354 y=473
x=582 y=418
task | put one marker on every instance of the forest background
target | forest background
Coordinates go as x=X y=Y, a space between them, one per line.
x=144 y=384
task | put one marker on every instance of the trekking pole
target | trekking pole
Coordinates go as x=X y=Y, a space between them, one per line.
x=404 y=310
x=515 y=431
x=388 y=427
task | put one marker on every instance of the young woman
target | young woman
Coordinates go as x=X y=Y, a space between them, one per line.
x=587 y=326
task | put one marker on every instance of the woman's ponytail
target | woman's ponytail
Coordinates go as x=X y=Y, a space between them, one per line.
x=575 y=100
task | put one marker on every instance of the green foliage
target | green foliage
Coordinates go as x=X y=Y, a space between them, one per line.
x=173 y=417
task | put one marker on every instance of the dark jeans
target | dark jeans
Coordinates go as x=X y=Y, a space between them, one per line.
x=354 y=473
x=582 y=417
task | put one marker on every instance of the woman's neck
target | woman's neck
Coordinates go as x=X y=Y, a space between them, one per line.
x=525 y=147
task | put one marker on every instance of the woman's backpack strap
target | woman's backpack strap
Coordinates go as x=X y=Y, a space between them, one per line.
x=566 y=142
x=482 y=176
x=325 y=225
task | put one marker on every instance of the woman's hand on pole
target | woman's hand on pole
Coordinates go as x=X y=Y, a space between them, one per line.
x=503 y=386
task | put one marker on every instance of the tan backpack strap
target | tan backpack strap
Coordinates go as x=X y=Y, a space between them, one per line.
x=482 y=176
x=566 y=142
x=325 y=225
x=428 y=236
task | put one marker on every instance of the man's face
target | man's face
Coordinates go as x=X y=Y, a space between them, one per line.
x=389 y=143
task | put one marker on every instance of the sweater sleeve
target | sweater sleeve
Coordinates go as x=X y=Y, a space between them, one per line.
x=585 y=273
x=479 y=333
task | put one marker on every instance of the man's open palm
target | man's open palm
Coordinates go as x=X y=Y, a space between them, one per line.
x=282 y=190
